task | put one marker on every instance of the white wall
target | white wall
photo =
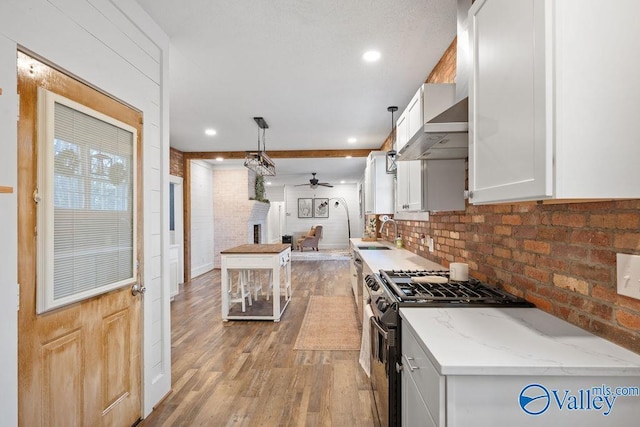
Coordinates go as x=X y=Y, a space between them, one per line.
x=114 y=46
x=8 y=235
x=276 y=219
x=335 y=233
x=275 y=222
x=201 y=218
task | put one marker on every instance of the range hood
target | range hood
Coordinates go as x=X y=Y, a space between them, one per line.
x=444 y=136
x=445 y=107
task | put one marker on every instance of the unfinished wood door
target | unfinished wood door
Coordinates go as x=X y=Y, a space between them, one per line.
x=79 y=365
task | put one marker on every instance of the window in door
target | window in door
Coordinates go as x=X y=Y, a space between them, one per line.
x=86 y=211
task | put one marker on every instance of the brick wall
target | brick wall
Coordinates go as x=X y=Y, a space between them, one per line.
x=234 y=214
x=562 y=257
x=176 y=163
x=445 y=69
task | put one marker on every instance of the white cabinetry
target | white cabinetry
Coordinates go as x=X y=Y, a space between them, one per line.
x=444 y=185
x=409 y=173
x=423 y=389
x=426 y=185
x=378 y=185
x=479 y=367
x=431 y=185
x=553 y=100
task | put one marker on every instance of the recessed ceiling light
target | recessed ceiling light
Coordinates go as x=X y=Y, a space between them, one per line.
x=352 y=140
x=267 y=183
x=210 y=132
x=347 y=157
x=343 y=181
x=219 y=159
x=371 y=56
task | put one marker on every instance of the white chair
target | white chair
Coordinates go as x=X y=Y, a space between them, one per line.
x=255 y=283
x=242 y=290
x=284 y=290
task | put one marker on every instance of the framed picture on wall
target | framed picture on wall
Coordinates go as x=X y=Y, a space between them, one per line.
x=305 y=208
x=321 y=208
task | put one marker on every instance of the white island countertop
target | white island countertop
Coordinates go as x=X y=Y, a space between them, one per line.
x=513 y=341
x=392 y=259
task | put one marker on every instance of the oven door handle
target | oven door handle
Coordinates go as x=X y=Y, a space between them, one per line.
x=376 y=323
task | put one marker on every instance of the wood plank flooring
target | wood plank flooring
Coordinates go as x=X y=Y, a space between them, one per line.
x=246 y=373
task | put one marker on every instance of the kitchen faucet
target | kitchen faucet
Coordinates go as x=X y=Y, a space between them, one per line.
x=395 y=224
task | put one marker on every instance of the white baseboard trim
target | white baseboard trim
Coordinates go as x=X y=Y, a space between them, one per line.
x=195 y=272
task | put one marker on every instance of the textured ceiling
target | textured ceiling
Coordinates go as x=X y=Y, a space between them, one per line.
x=298 y=64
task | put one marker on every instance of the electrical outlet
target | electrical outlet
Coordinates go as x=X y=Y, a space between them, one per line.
x=628 y=269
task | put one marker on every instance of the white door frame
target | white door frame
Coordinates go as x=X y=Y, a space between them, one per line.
x=178 y=207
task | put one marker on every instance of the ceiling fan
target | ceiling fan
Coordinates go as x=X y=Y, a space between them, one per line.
x=314 y=182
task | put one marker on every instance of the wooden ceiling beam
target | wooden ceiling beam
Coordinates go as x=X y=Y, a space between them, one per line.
x=279 y=154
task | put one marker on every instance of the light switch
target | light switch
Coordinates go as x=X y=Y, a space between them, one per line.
x=628 y=269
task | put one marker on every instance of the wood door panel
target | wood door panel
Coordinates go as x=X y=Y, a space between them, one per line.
x=62 y=388
x=79 y=364
x=115 y=358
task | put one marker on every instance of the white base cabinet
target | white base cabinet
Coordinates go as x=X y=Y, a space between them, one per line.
x=553 y=100
x=468 y=367
x=423 y=389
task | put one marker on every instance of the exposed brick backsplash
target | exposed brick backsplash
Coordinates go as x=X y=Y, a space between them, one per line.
x=561 y=257
x=176 y=162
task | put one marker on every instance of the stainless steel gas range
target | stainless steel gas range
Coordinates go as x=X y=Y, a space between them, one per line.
x=391 y=289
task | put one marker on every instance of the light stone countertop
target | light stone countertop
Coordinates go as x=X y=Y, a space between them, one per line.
x=392 y=259
x=500 y=341
x=514 y=341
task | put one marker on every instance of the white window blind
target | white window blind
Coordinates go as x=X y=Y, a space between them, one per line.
x=86 y=213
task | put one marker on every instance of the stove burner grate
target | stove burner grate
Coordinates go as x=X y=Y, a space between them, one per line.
x=469 y=292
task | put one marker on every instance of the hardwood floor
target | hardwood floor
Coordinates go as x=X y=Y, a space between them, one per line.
x=247 y=373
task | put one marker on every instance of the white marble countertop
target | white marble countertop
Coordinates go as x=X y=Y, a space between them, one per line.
x=513 y=341
x=392 y=259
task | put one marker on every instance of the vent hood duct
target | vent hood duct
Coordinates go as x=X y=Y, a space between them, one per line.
x=446 y=114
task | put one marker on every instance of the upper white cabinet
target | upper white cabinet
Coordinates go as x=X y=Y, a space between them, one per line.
x=409 y=173
x=554 y=100
x=378 y=185
x=409 y=186
x=427 y=185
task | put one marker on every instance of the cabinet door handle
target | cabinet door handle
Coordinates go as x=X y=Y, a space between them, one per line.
x=408 y=360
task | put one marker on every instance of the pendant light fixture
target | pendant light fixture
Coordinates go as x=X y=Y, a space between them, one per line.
x=392 y=155
x=258 y=161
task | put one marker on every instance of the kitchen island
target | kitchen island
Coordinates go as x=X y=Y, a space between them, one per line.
x=247 y=261
x=513 y=366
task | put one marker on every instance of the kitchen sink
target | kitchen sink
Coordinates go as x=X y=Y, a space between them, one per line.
x=373 y=248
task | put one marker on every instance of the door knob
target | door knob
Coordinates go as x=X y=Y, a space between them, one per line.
x=138 y=289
